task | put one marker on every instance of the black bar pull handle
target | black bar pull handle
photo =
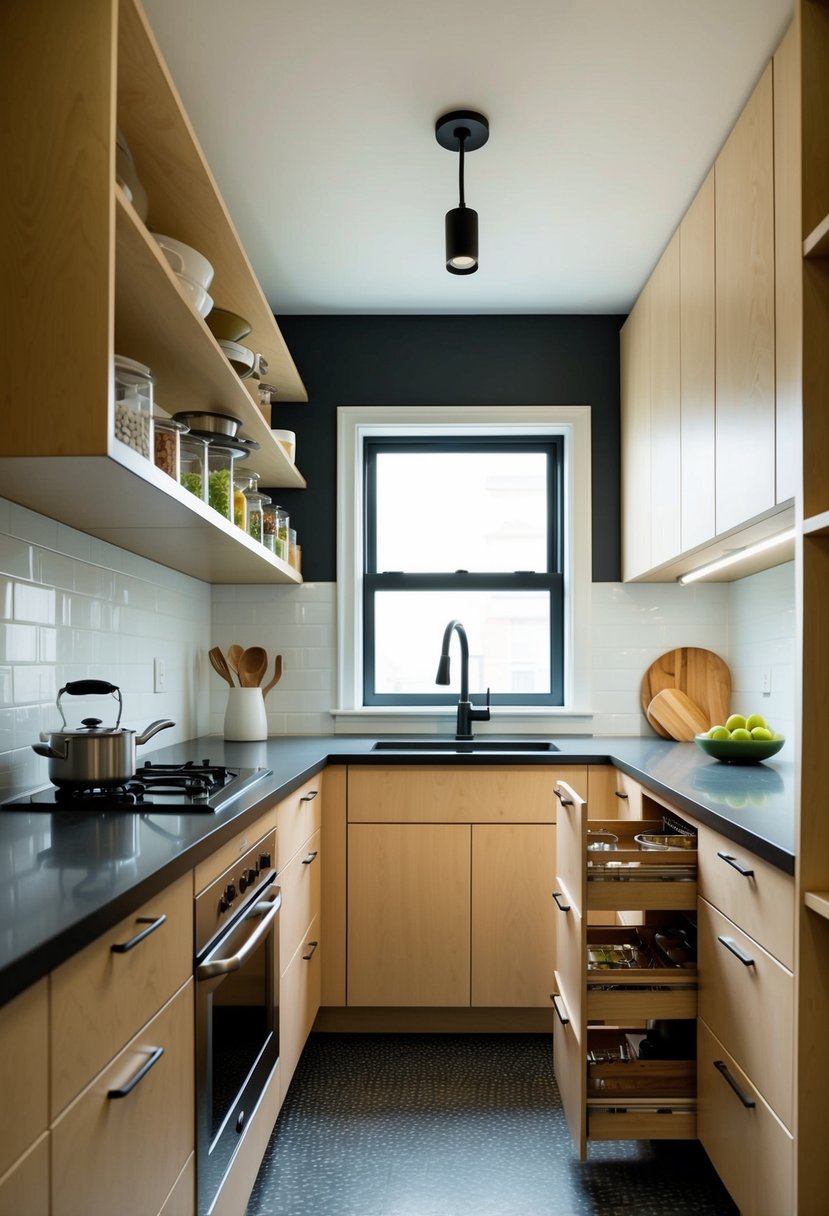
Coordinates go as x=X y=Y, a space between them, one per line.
x=622 y=794
x=557 y=896
x=155 y=1056
x=734 y=863
x=745 y=959
x=311 y=947
x=560 y=1008
x=306 y=861
x=721 y=1068
x=310 y=796
x=564 y=801
x=152 y=923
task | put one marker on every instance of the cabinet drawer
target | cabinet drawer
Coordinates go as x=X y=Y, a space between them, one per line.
x=123 y=1154
x=643 y=1122
x=299 y=1000
x=611 y=1077
x=300 y=883
x=297 y=817
x=747 y=999
x=489 y=794
x=182 y=1198
x=755 y=895
x=24 y=1190
x=749 y=1147
x=103 y=995
x=24 y=1078
x=646 y=988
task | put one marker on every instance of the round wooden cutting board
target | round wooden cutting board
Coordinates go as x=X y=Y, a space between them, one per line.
x=702 y=675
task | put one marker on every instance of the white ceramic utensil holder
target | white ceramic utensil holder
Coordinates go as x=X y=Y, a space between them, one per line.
x=245 y=717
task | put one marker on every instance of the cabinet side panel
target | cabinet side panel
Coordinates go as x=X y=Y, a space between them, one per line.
x=665 y=406
x=634 y=357
x=57 y=220
x=333 y=896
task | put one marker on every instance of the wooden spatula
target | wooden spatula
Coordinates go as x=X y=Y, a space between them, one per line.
x=277 y=673
x=677 y=714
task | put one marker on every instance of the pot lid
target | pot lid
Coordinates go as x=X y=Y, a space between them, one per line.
x=91 y=726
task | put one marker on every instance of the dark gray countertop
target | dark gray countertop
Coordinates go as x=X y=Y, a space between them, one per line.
x=65 y=877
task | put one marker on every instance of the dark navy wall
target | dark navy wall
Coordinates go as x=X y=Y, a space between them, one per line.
x=447 y=360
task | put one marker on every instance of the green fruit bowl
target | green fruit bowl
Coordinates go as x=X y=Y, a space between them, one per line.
x=740 y=751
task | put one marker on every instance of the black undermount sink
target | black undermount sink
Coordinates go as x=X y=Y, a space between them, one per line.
x=464 y=745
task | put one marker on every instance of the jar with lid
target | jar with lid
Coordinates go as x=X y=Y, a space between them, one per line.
x=220 y=468
x=243 y=480
x=193 y=464
x=281 y=532
x=269 y=526
x=134 y=404
x=166 y=445
x=256 y=503
x=293 y=549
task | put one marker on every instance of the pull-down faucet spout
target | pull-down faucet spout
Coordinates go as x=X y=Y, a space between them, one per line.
x=467 y=714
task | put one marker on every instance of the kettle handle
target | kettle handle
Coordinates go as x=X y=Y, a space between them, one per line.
x=45 y=749
x=91 y=688
x=153 y=729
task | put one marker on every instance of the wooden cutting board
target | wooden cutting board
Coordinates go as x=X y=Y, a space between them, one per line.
x=700 y=674
x=675 y=712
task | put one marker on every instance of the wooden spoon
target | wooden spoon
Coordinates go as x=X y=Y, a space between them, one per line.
x=234 y=654
x=252 y=666
x=277 y=673
x=219 y=664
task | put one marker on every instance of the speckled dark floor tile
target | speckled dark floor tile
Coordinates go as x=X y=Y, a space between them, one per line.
x=458 y=1125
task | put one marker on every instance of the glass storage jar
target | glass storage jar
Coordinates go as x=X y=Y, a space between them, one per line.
x=134 y=404
x=220 y=468
x=269 y=526
x=243 y=480
x=281 y=532
x=167 y=445
x=266 y=395
x=256 y=503
x=193 y=464
x=293 y=549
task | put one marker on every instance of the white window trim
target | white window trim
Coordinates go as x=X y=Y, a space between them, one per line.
x=354 y=423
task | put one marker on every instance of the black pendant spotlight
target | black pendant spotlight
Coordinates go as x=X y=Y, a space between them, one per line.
x=462 y=131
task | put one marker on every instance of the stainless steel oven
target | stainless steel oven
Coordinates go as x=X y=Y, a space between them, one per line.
x=237 y=1015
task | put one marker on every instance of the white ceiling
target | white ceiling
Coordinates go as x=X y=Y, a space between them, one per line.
x=317 y=118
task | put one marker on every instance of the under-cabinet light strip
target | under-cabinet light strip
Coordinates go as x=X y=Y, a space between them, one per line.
x=738 y=555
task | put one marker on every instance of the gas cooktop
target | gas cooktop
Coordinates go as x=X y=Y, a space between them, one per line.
x=189 y=787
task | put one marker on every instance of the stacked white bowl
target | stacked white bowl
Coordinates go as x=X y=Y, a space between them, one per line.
x=191 y=268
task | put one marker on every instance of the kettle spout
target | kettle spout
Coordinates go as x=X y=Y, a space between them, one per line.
x=153 y=729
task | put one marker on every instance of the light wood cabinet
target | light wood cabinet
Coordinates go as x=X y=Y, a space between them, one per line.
x=103 y=995
x=25 y=1187
x=697 y=346
x=618 y=1098
x=113 y=1153
x=665 y=406
x=635 y=405
x=24 y=1073
x=299 y=996
x=450 y=874
x=75 y=237
x=744 y=177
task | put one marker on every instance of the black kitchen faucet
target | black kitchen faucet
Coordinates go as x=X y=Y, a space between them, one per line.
x=467 y=714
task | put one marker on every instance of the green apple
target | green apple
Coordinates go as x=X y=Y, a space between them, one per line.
x=755 y=720
x=735 y=722
x=762 y=733
x=719 y=732
x=741 y=735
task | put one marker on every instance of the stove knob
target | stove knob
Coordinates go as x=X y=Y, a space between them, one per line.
x=230 y=892
x=252 y=874
x=223 y=905
x=264 y=861
x=243 y=884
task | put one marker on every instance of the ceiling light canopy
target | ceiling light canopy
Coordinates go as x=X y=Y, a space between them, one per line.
x=462 y=131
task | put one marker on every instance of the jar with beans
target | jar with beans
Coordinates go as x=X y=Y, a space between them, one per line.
x=134 y=404
x=166 y=450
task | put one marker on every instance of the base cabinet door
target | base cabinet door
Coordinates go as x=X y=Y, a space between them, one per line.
x=299 y=1000
x=513 y=931
x=24 y=1189
x=749 y=1147
x=121 y=1145
x=409 y=893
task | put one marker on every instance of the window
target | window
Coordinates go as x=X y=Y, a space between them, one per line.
x=479 y=514
x=466 y=528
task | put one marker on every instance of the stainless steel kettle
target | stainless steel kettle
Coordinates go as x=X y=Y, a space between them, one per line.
x=96 y=755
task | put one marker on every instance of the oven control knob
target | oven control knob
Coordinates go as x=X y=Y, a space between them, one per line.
x=264 y=861
x=230 y=892
x=223 y=905
x=252 y=874
x=243 y=884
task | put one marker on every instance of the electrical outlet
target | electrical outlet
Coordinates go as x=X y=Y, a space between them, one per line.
x=766 y=681
x=159 y=675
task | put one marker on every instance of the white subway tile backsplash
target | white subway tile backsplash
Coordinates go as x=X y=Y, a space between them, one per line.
x=18 y=643
x=35 y=603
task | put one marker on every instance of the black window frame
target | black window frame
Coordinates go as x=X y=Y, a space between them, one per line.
x=551 y=580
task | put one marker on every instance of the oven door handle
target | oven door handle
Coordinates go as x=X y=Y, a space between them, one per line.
x=266 y=907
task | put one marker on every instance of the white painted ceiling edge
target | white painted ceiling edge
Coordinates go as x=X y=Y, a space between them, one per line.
x=317 y=119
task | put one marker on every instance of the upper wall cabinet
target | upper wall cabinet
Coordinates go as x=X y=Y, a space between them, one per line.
x=720 y=393
x=84 y=279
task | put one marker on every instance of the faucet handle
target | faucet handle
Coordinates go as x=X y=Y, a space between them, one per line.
x=481 y=715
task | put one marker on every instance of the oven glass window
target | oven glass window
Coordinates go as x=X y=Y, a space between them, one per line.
x=241 y=1023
